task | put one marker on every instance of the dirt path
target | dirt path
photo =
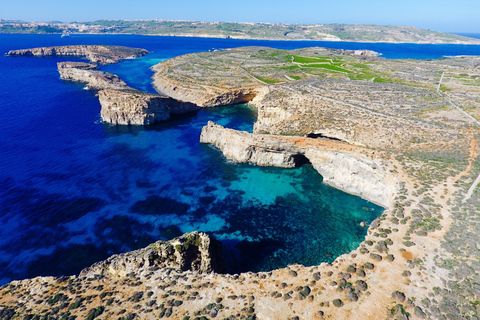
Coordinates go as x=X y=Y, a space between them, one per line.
x=473 y=155
x=440 y=82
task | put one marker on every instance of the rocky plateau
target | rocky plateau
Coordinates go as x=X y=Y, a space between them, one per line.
x=94 y=53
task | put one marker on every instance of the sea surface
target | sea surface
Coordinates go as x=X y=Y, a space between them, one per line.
x=74 y=191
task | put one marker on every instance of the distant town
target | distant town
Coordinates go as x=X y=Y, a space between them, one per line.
x=241 y=30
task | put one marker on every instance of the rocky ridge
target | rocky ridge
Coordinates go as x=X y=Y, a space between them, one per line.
x=95 y=53
x=122 y=105
x=88 y=73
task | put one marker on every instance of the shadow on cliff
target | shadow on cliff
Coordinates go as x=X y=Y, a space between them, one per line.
x=175 y=120
x=244 y=256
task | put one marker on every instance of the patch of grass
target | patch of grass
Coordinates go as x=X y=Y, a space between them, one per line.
x=397 y=81
x=310 y=60
x=268 y=80
x=328 y=67
x=362 y=76
x=290 y=67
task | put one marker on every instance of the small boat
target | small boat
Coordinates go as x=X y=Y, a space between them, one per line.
x=65 y=35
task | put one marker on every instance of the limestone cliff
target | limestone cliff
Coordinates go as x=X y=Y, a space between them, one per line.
x=179 y=87
x=195 y=251
x=85 y=72
x=244 y=147
x=133 y=107
x=340 y=165
x=122 y=105
x=95 y=53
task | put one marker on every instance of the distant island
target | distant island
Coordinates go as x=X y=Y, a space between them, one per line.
x=245 y=30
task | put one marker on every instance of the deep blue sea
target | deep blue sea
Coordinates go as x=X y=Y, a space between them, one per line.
x=74 y=190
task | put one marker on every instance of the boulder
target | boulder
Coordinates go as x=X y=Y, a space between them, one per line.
x=195 y=251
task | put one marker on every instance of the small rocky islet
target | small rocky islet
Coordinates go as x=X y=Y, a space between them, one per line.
x=400 y=133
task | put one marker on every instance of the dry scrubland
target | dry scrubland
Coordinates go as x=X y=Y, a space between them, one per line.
x=420 y=259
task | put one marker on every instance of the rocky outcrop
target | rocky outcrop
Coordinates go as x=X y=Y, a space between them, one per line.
x=122 y=105
x=133 y=107
x=95 y=53
x=204 y=97
x=244 y=147
x=178 y=86
x=86 y=72
x=195 y=251
x=347 y=170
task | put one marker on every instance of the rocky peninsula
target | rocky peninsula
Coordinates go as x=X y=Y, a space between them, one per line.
x=402 y=133
x=88 y=73
x=94 y=53
x=121 y=105
x=133 y=107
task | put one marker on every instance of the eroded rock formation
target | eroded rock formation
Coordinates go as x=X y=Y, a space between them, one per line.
x=341 y=165
x=174 y=83
x=244 y=147
x=95 y=53
x=122 y=105
x=195 y=251
x=86 y=72
x=133 y=107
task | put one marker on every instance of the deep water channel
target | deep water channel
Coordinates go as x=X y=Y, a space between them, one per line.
x=74 y=190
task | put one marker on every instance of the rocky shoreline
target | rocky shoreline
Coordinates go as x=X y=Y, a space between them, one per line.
x=122 y=105
x=341 y=166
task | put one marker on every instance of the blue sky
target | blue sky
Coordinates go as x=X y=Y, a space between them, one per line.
x=439 y=15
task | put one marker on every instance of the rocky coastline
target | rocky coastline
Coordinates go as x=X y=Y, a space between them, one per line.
x=341 y=165
x=94 y=53
x=88 y=73
x=122 y=105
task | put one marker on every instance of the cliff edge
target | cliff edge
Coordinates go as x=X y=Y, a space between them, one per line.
x=341 y=165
